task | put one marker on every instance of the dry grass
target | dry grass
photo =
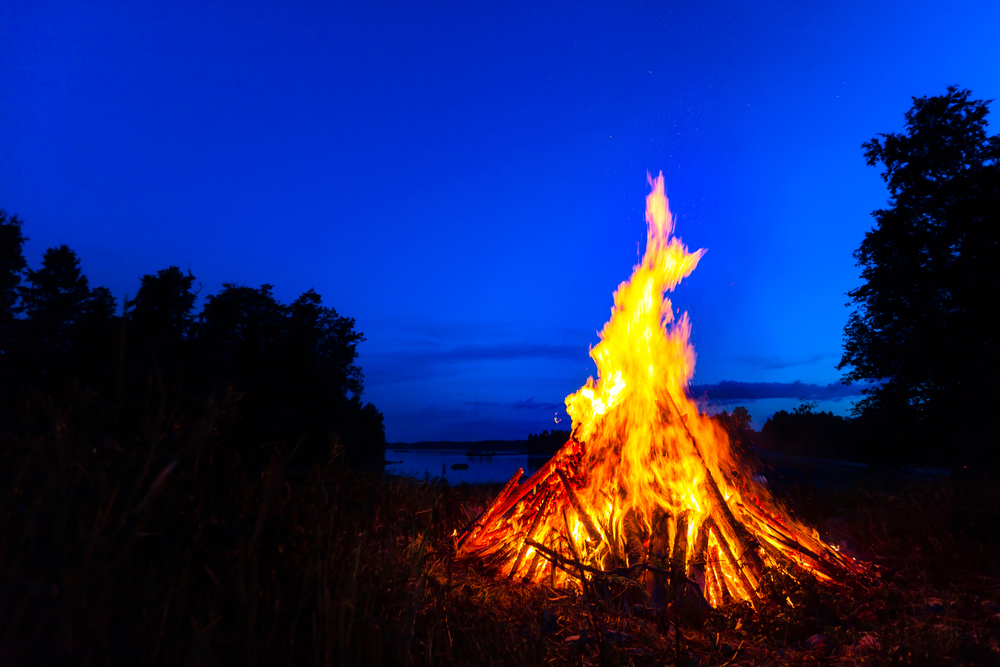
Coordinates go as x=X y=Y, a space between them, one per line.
x=173 y=549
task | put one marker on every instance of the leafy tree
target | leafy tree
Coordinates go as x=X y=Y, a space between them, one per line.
x=924 y=320
x=803 y=432
x=94 y=359
x=160 y=317
x=240 y=323
x=325 y=342
x=545 y=443
x=55 y=298
x=296 y=368
x=100 y=305
x=12 y=266
x=805 y=407
x=736 y=424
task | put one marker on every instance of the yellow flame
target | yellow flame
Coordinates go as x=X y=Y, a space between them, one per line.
x=637 y=426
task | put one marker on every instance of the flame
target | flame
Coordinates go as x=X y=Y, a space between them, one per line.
x=646 y=478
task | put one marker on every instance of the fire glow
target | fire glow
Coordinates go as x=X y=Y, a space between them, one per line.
x=646 y=480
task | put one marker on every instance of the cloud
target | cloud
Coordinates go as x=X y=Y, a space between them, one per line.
x=528 y=404
x=727 y=391
x=531 y=405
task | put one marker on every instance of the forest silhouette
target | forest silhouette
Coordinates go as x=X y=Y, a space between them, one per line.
x=282 y=373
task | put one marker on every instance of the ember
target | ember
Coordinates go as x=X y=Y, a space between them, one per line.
x=646 y=483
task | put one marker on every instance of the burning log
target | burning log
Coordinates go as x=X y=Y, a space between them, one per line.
x=578 y=506
x=645 y=474
x=678 y=559
x=482 y=520
x=531 y=533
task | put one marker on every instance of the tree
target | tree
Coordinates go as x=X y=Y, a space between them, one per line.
x=54 y=298
x=95 y=336
x=325 y=342
x=545 y=443
x=737 y=425
x=803 y=432
x=238 y=329
x=923 y=326
x=12 y=266
x=160 y=314
x=295 y=366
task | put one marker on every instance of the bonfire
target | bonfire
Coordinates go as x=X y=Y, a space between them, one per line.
x=647 y=484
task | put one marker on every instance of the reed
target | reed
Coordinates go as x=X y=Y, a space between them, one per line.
x=166 y=546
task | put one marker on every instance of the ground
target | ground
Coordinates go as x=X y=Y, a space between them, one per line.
x=183 y=553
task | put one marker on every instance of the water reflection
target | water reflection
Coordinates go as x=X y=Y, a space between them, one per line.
x=458 y=466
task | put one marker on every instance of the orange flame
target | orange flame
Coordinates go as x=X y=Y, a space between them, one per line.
x=644 y=462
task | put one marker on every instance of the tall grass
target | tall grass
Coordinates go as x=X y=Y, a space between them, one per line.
x=172 y=545
x=172 y=548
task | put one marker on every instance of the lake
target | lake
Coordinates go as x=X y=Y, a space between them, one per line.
x=499 y=467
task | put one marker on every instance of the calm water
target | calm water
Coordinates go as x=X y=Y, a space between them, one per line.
x=482 y=469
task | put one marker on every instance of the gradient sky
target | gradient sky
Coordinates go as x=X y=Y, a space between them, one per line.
x=467 y=180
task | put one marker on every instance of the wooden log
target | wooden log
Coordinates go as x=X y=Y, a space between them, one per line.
x=678 y=558
x=588 y=523
x=712 y=592
x=659 y=551
x=500 y=556
x=534 y=562
x=700 y=543
x=552 y=566
x=724 y=516
x=621 y=572
x=486 y=515
x=737 y=567
x=788 y=540
x=531 y=532
x=805 y=559
x=635 y=535
x=538 y=478
x=715 y=567
x=488 y=547
x=728 y=521
x=696 y=560
x=572 y=548
x=484 y=540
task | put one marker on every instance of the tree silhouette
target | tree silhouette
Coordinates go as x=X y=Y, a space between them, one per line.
x=545 y=443
x=54 y=297
x=280 y=373
x=924 y=319
x=238 y=331
x=325 y=343
x=803 y=432
x=12 y=266
x=160 y=314
x=295 y=366
x=95 y=340
x=160 y=322
x=737 y=425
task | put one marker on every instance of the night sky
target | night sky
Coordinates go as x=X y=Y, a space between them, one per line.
x=468 y=180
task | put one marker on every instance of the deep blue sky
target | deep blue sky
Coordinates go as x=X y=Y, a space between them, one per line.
x=467 y=180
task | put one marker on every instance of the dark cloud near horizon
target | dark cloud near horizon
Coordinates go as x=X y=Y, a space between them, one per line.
x=528 y=404
x=728 y=390
x=531 y=405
